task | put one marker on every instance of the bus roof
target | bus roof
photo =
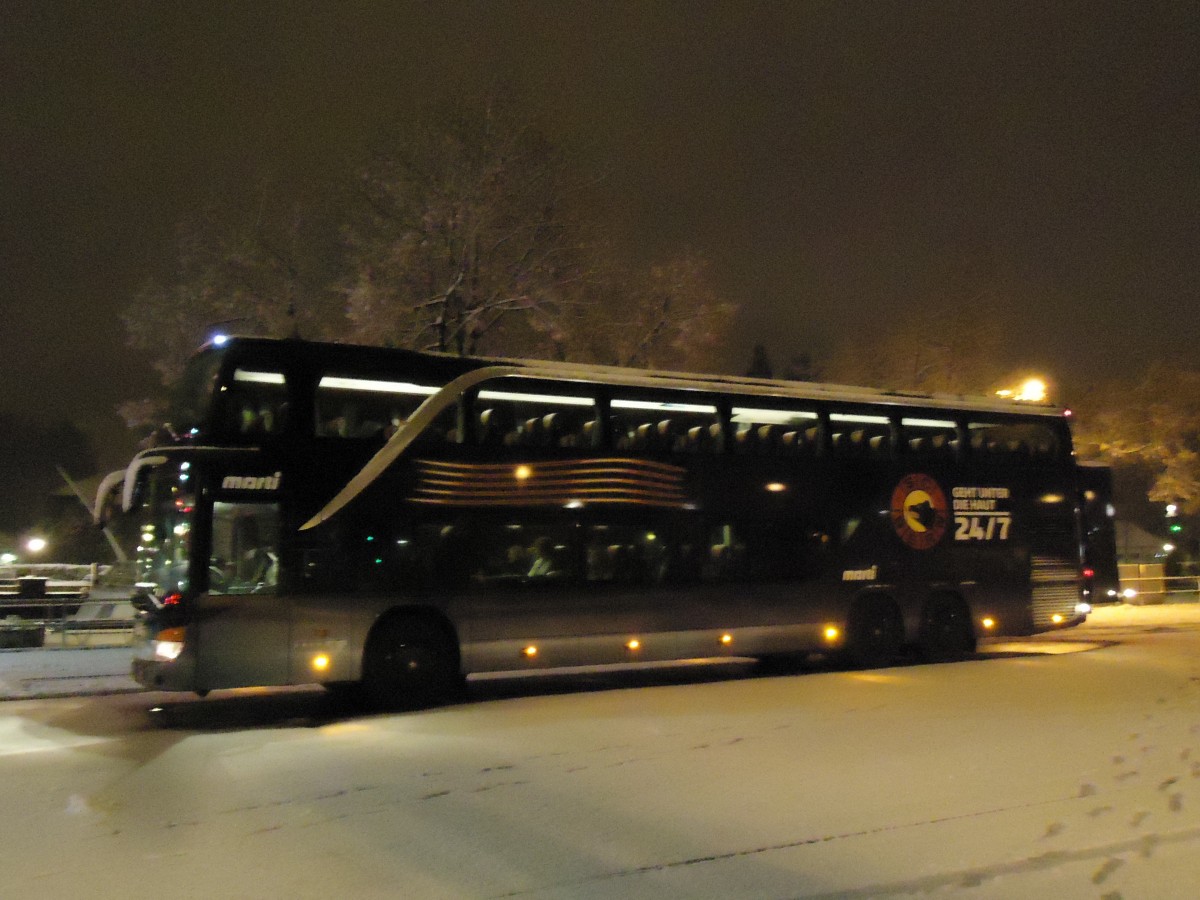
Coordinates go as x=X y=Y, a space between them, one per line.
x=450 y=366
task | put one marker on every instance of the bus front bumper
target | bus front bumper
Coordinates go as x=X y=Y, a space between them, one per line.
x=160 y=674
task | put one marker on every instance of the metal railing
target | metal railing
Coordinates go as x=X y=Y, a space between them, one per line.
x=1149 y=583
x=54 y=605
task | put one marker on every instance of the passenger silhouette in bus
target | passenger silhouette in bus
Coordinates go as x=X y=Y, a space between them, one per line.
x=599 y=561
x=261 y=566
x=257 y=563
x=516 y=560
x=543 y=564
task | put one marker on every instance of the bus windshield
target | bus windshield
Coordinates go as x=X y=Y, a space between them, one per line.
x=191 y=405
x=161 y=526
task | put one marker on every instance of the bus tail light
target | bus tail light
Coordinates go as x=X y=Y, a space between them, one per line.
x=168 y=644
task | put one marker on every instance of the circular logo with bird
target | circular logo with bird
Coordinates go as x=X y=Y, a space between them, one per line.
x=920 y=513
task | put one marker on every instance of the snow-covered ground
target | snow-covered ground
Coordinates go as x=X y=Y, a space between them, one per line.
x=1027 y=774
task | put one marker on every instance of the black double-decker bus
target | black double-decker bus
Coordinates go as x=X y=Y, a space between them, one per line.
x=395 y=521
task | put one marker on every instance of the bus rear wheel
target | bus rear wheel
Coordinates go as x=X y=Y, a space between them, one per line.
x=946 y=629
x=874 y=633
x=410 y=662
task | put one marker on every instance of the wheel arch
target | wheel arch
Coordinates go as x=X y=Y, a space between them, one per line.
x=410 y=613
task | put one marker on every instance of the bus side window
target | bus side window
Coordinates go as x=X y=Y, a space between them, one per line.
x=625 y=553
x=929 y=439
x=663 y=425
x=534 y=415
x=775 y=431
x=514 y=552
x=425 y=555
x=726 y=556
x=254 y=404
x=1015 y=441
x=856 y=435
x=359 y=407
x=245 y=548
x=446 y=428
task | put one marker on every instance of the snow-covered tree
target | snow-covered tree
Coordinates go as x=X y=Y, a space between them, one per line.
x=938 y=348
x=1153 y=423
x=466 y=232
x=263 y=267
x=666 y=316
x=465 y=227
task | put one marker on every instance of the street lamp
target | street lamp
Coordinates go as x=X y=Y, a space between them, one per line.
x=1031 y=390
x=35 y=544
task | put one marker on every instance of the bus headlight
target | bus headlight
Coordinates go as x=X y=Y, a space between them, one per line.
x=168 y=644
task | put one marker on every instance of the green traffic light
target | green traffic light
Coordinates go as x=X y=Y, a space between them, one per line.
x=1176 y=528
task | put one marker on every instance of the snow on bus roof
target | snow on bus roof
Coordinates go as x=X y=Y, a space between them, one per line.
x=665 y=379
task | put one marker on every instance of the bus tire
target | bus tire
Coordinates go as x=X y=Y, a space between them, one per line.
x=771 y=664
x=874 y=633
x=345 y=693
x=410 y=662
x=946 y=629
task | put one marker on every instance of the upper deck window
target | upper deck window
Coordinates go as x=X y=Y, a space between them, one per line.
x=254 y=403
x=655 y=426
x=929 y=438
x=540 y=416
x=365 y=407
x=859 y=434
x=1015 y=440
x=763 y=430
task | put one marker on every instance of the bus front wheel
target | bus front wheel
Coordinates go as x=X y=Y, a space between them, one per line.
x=410 y=662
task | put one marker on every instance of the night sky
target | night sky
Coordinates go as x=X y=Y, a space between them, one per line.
x=840 y=164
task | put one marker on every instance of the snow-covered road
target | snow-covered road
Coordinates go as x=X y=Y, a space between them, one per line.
x=1026 y=774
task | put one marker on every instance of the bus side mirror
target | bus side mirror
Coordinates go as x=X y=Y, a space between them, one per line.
x=143 y=603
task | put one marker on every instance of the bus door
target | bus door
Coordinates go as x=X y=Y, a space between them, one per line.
x=243 y=623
